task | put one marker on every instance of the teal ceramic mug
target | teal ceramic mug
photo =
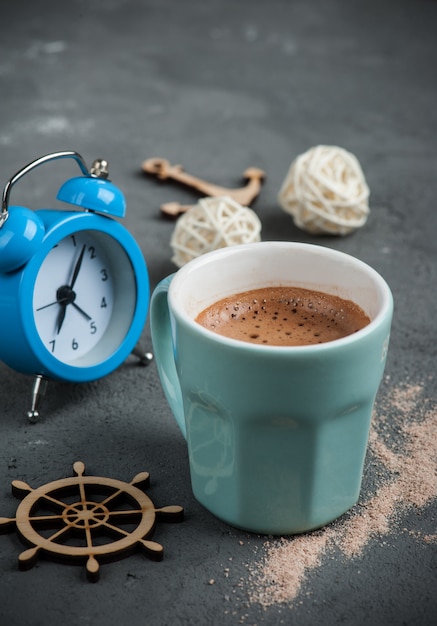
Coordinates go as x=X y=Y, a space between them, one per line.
x=276 y=435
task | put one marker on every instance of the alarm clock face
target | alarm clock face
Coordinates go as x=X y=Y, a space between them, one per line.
x=84 y=298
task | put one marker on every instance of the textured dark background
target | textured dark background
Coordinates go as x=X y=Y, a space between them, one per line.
x=218 y=86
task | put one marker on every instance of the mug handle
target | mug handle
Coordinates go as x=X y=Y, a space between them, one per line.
x=164 y=352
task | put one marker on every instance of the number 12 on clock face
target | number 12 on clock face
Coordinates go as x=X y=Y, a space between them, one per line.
x=73 y=296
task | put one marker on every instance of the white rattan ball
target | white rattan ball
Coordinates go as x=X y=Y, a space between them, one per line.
x=211 y=224
x=325 y=191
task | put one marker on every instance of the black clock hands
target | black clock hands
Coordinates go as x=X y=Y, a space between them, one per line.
x=64 y=301
x=61 y=317
x=82 y=312
x=77 y=267
x=46 y=306
x=66 y=295
x=63 y=310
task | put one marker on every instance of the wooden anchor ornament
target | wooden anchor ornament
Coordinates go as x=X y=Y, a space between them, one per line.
x=164 y=170
x=87 y=518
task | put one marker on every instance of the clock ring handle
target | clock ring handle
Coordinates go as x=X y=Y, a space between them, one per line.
x=66 y=154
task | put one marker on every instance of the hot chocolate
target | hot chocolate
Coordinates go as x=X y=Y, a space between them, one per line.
x=283 y=316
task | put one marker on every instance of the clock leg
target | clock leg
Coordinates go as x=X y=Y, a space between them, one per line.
x=144 y=357
x=38 y=393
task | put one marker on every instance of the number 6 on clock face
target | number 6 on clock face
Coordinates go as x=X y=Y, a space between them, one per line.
x=86 y=297
x=75 y=311
x=71 y=318
x=74 y=285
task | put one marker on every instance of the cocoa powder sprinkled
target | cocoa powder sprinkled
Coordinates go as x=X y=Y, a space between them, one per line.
x=410 y=480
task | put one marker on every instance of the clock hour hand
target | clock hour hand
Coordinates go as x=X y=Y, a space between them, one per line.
x=61 y=317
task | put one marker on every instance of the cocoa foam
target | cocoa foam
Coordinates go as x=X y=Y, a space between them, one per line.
x=283 y=316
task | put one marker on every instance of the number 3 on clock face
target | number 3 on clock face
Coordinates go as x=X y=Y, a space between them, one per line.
x=74 y=285
x=88 y=290
x=73 y=296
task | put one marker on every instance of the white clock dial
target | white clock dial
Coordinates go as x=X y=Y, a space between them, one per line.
x=73 y=298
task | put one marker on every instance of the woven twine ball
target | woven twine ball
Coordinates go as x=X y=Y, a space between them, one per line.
x=325 y=191
x=211 y=224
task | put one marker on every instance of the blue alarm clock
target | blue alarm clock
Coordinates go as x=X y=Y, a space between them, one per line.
x=74 y=286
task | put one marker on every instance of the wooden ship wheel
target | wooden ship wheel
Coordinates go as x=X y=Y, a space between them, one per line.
x=87 y=519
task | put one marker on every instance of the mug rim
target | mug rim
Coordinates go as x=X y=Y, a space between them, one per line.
x=180 y=313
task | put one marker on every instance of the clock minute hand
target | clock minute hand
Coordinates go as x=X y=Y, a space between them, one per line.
x=77 y=267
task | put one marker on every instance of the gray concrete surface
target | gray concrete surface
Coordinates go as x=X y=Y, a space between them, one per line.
x=218 y=86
